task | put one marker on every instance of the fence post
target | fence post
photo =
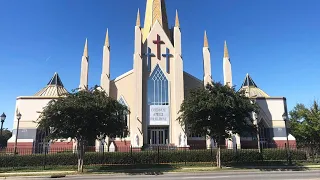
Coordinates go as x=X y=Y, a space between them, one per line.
x=261 y=151
x=158 y=155
x=285 y=144
x=237 y=155
x=211 y=153
x=132 y=160
x=185 y=156
x=45 y=158
x=102 y=158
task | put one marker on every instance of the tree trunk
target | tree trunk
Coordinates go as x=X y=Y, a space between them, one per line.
x=219 y=153
x=80 y=149
x=218 y=157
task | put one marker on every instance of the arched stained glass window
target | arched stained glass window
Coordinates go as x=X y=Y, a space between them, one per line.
x=123 y=102
x=158 y=91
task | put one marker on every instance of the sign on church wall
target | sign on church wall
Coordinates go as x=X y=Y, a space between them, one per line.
x=159 y=115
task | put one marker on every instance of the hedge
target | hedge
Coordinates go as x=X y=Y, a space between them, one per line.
x=152 y=157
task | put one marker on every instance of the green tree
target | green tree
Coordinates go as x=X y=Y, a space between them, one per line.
x=216 y=111
x=305 y=125
x=84 y=116
x=6 y=135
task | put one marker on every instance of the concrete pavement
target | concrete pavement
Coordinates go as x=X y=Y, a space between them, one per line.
x=227 y=175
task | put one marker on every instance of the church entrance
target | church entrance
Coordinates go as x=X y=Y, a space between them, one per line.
x=158 y=136
x=158 y=108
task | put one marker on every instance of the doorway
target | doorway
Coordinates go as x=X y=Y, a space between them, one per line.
x=158 y=136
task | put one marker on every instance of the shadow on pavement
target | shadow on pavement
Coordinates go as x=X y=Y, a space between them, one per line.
x=270 y=166
x=157 y=169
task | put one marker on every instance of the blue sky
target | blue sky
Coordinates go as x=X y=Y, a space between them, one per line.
x=276 y=42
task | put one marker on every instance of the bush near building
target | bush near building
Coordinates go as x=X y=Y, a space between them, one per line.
x=228 y=157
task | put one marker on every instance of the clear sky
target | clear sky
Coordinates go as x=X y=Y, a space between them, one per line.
x=276 y=42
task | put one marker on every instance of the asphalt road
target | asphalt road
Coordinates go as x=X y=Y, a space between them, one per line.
x=278 y=175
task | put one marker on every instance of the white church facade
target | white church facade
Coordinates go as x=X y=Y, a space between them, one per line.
x=153 y=91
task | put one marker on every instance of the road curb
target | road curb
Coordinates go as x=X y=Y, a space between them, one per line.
x=56 y=174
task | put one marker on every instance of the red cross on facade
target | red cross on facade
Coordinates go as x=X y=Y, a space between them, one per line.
x=158 y=42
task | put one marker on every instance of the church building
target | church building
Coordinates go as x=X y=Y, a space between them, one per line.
x=153 y=90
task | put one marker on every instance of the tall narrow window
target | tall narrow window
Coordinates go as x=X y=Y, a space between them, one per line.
x=158 y=91
x=126 y=115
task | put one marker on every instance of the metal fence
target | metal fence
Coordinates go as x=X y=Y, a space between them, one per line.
x=47 y=157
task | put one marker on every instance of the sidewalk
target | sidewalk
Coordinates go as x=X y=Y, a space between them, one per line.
x=41 y=173
x=164 y=170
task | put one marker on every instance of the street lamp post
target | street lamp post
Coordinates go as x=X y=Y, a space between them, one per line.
x=3 y=117
x=17 y=132
x=285 y=118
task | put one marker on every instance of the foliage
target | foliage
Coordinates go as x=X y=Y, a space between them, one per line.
x=84 y=115
x=153 y=157
x=217 y=110
x=305 y=126
x=305 y=123
x=6 y=135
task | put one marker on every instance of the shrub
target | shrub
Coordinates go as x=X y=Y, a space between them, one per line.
x=152 y=157
x=281 y=154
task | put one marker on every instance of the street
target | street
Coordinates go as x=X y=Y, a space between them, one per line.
x=263 y=175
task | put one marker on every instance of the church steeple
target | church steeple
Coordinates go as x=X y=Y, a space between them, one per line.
x=207 y=78
x=227 y=67
x=177 y=23
x=155 y=11
x=85 y=50
x=138 y=22
x=84 y=67
x=106 y=43
x=205 y=40
x=225 y=53
x=105 y=75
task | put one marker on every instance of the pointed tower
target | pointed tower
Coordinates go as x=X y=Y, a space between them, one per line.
x=207 y=78
x=155 y=11
x=177 y=22
x=177 y=35
x=227 y=70
x=138 y=88
x=105 y=75
x=177 y=84
x=84 y=67
x=138 y=21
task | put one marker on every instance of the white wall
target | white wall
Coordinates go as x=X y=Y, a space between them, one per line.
x=29 y=108
x=273 y=108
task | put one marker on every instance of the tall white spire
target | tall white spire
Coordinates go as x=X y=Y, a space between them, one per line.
x=84 y=67
x=105 y=75
x=207 y=78
x=138 y=21
x=177 y=22
x=227 y=70
x=137 y=112
x=155 y=11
